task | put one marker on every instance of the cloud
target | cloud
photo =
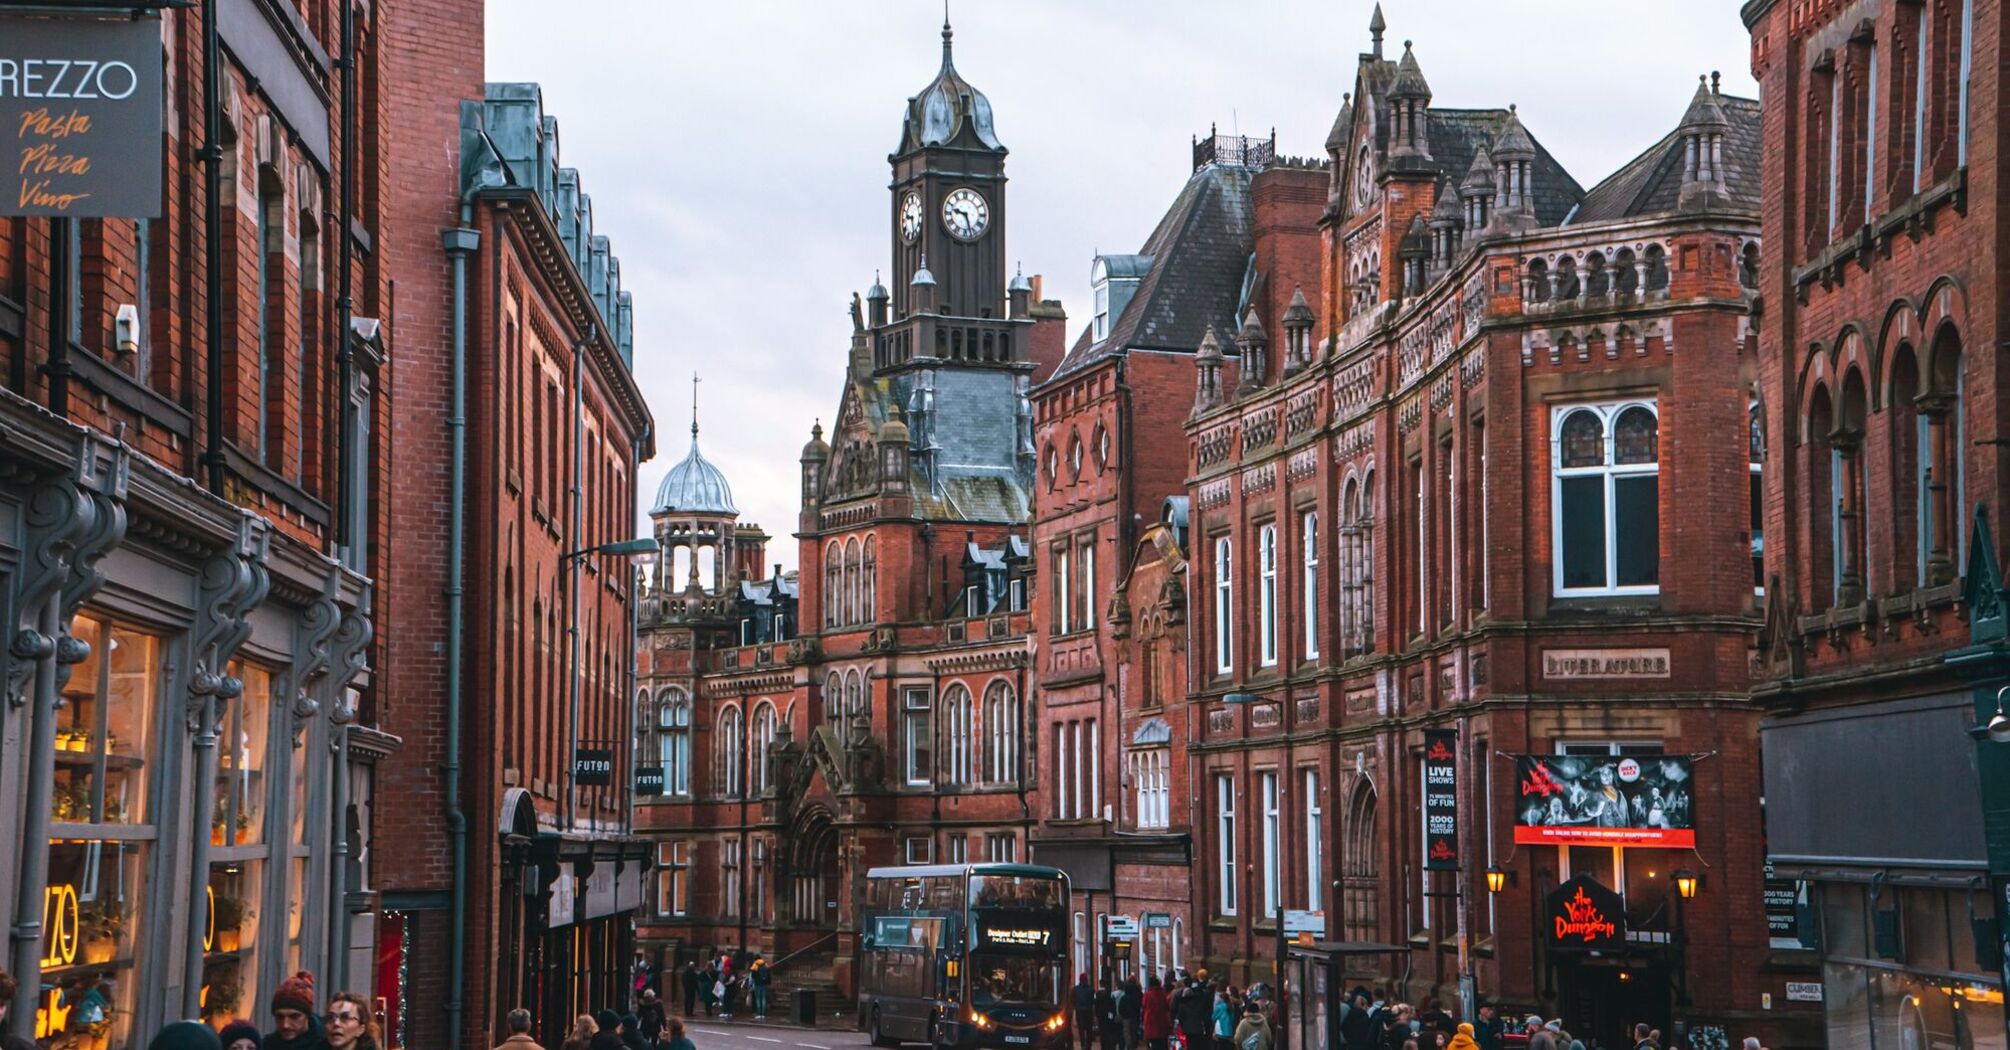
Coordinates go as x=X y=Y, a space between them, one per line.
x=736 y=153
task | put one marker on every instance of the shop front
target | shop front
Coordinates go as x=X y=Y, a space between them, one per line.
x=568 y=943
x=180 y=692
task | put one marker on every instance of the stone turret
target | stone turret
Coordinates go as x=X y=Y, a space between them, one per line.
x=1207 y=373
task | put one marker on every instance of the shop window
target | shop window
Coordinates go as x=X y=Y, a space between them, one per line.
x=1606 y=499
x=92 y=918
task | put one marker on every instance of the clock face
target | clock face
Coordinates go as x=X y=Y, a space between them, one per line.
x=965 y=214
x=910 y=217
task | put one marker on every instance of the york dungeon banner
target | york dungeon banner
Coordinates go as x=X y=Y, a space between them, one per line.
x=1601 y=800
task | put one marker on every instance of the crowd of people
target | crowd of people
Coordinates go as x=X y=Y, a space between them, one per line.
x=721 y=985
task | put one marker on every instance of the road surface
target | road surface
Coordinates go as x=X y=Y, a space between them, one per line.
x=712 y=1035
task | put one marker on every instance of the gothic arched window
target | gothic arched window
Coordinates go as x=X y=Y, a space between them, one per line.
x=730 y=776
x=1001 y=733
x=849 y=613
x=673 y=724
x=868 y=613
x=763 y=738
x=832 y=583
x=956 y=736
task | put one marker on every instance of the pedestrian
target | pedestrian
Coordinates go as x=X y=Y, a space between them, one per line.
x=1082 y=1004
x=350 y=1026
x=1131 y=1011
x=1487 y=1030
x=607 y=1031
x=678 y=1040
x=518 y=1021
x=1221 y=1021
x=1108 y=1026
x=1751 y=1041
x=1540 y=1037
x=1437 y=1019
x=1253 y=1033
x=650 y=1013
x=730 y=985
x=1464 y=1039
x=240 y=1034
x=581 y=1037
x=294 y=1024
x=1195 y=1014
x=761 y=975
x=184 y=1035
x=1156 y=1015
x=8 y=989
x=631 y=1032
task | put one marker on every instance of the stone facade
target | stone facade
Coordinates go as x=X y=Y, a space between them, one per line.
x=1884 y=474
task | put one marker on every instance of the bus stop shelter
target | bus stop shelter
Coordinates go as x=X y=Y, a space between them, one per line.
x=1318 y=974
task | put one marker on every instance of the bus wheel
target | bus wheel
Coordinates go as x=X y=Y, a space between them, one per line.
x=877 y=1038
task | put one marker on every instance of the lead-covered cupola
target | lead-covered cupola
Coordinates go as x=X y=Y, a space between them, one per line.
x=949 y=111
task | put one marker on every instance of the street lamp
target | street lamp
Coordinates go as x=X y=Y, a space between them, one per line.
x=1686 y=885
x=1498 y=880
x=1997 y=729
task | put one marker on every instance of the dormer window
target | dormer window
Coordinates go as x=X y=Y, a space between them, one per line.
x=1112 y=281
x=1102 y=311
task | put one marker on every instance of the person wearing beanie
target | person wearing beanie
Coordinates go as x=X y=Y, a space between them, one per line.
x=240 y=1034
x=609 y=1035
x=185 y=1035
x=294 y=1025
x=631 y=1031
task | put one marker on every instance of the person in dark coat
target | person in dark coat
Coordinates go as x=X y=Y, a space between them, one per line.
x=1082 y=1012
x=609 y=1036
x=631 y=1032
x=1357 y=1028
x=295 y=1025
x=1108 y=1027
x=650 y=1014
x=688 y=980
x=1131 y=1012
x=1193 y=1012
x=185 y=1035
x=8 y=989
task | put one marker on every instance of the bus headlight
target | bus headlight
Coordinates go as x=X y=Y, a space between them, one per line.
x=980 y=1020
x=1056 y=1023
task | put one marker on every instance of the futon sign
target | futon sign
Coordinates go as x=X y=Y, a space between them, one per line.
x=1441 y=800
x=593 y=767
x=648 y=781
x=1604 y=800
x=80 y=116
x=1584 y=914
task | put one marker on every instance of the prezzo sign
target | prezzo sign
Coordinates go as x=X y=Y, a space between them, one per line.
x=593 y=767
x=80 y=116
x=1441 y=800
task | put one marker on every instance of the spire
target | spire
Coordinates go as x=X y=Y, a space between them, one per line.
x=947 y=34
x=1377 y=25
x=1410 y=82
x=694 y=408
x=1513 y=142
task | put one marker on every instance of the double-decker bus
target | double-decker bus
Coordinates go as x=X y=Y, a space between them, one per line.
x=965 y=956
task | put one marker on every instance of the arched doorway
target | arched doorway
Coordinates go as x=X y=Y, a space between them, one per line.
x=815 y=879
x=1359 y=866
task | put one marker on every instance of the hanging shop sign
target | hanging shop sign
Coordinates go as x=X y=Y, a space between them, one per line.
x=593 y=766
x=648 y=781
x=1441 y=800
x=1582 y=913
x=80 y=116
x=1604 y=800
x=1786 y=900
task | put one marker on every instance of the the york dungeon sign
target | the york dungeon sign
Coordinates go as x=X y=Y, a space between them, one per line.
x=80 y=116
x=1601 y=800
x=1582 y=913
x=1441 y=800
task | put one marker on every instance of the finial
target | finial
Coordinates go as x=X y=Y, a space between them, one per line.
x=946 y=33
x=1406 y=47
x=817 y=429
x=1511 y=107
x=1715 y=79
x=694 y=408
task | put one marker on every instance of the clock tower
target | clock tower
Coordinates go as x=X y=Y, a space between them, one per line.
x=948 y=202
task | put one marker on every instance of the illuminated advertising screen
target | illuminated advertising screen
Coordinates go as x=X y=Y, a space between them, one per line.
x=1604 y=800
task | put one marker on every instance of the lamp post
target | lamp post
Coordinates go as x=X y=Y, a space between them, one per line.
x=1686 y=885
x=640 y=551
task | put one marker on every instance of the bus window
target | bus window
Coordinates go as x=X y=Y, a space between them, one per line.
x=1014 y=979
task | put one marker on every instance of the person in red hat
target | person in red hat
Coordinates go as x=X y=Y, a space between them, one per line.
x=294 y=1026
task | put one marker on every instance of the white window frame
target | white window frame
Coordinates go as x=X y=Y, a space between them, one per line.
x=1088 y=552
x=1079 y=943
x=674 y=719
x=729 y=871
x=1149 y=769
x=1001 y=847
x=1608 y=413
x=953 y=766
x=1001 y=718
x=1273 y=875
x=1315 y=836
x=1919 y=89
x=917 y=732
x=1308 y=524
x=1224 y=605
x=1066 y=597
x=958 y=849
x=1266 y=602
x=1224 y=830
x=919 y=849
x=1102 y=311
x=731 y=752
x=1093 y=759
x=1871 y=145
x=761 y=734
x=1967 y=69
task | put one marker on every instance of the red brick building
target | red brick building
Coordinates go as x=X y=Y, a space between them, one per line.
x=192 y=561
x=1110 y=661
x=1484 y=492
x=510 y=875
x=1881 y=378
x=884 y=719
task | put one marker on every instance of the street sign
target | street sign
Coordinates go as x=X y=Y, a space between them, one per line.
x=1158 y=920
x=1300 y=921
x=80 y=116
x=1804 y=991
x=1120 y=928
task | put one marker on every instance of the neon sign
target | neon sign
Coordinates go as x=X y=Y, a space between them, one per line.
x=1585 y=914
x=59 y=917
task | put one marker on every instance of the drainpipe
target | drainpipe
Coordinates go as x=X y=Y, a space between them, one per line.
x=634 y=664
x=338 y=866
x=460 y=243
x=571 y=567
x=211 y=156
x=345 y=305
x=38 y=645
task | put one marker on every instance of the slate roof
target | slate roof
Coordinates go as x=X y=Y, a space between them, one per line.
x=974 y=426
x=1457 y=134
x=1651 y=183
x=1199 y=253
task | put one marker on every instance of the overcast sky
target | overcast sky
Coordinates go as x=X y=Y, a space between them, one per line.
x=736 y=151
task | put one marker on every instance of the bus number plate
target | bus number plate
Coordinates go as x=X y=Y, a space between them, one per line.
x=1018 y=1038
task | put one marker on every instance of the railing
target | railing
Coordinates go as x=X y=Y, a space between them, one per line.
x=1235 y=150
x=829 y=938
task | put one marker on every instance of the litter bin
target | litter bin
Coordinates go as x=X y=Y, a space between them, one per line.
x=806 y=1007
